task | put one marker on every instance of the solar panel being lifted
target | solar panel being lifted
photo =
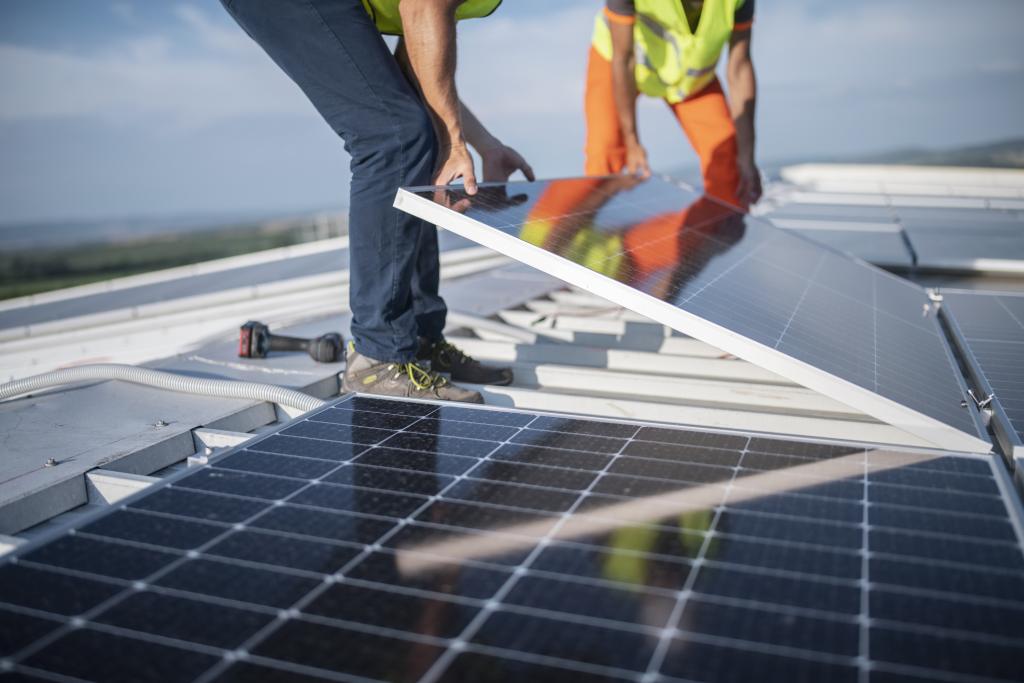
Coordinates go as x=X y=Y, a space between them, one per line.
x=818 y=317
x=409 y=541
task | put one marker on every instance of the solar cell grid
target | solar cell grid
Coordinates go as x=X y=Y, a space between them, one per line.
x=812 y=314
x=379 y=566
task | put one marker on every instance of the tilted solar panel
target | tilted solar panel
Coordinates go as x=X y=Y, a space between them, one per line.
x=993 y=327
x=818 y=317
x=407 y=541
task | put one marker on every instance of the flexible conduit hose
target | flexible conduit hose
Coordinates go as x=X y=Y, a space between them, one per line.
x=223 y=388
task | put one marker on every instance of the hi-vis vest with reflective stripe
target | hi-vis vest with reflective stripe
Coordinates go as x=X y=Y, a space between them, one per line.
x=671 y=61
x=387 y=19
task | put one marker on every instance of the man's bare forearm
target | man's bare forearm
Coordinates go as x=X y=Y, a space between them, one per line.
x=624 y=90
x=473 y=130
x=742 y=98
x=430 y=45
x=742 y=102
x=475 y=133
x=624 y=80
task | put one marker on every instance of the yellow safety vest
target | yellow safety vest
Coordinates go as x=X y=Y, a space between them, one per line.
x=671 y=60
x=388 y=21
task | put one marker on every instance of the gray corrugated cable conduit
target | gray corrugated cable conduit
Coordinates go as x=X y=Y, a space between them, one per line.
x=222 y=388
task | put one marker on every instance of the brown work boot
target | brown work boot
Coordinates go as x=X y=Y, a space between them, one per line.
x=408 y=380
x=446 y=357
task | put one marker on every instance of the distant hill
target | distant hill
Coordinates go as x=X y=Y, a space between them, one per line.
x=57 y=234
x=1003 y=154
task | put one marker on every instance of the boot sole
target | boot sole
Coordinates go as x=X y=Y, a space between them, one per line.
x=478 y=400
x=496 y=383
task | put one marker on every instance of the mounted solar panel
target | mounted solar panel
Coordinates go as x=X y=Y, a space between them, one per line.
x=884 y=248
x=991 y=327
x=818 y=317
x=379 y=539
x=984 y=241
x=942 y=238
x=881 y=243
x=859 y=213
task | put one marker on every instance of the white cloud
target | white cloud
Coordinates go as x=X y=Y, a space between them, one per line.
x=217 y=36
x=146 y=77
x=536 y=65
x=865 y=45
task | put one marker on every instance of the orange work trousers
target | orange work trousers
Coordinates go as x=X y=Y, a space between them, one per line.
x=704 y=117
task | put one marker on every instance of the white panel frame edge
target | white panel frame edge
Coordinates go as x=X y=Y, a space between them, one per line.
x=985 y=266
x=844 y=391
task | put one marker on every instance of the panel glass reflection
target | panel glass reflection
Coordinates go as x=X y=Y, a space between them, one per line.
x=780 y=290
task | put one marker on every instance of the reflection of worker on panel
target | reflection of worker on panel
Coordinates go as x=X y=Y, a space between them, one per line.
x=657 y=255
x=669 y=49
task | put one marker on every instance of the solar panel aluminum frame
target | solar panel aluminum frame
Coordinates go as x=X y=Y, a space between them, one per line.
x=887 y=410
x=1013 y=502
x=983 y=266
x=1002 y=428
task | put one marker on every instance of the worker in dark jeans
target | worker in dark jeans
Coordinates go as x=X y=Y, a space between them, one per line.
x=404 y=124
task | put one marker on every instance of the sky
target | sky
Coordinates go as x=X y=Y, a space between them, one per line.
x=140 y=108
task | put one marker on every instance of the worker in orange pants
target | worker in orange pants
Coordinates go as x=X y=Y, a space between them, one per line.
x=669 y=49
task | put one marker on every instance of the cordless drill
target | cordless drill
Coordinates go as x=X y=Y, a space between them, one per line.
x=256 y=341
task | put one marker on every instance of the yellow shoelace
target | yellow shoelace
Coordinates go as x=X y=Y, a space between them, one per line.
x=421 y=378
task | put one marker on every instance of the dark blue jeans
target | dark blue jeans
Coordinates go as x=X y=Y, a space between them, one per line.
x=333 y=52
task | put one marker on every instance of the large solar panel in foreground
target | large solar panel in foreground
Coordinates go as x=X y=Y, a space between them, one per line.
x=818 y=317
x=993 y=325
x=408 y=541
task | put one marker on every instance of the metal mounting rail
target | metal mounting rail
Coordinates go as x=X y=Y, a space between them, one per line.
x=986 y=402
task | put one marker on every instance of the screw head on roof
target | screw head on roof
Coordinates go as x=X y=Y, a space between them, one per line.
x=50 y=462
x=160 y=423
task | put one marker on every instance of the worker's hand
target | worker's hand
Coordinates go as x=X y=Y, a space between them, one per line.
x=500 y=162
x=454 y=162
x=636 y=160
x=489 y=198
x=748 y=191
